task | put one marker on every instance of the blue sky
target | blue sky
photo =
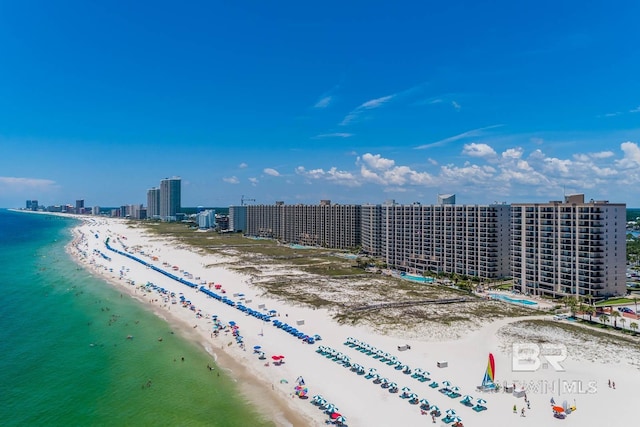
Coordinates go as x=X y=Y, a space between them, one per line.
x=357 y=102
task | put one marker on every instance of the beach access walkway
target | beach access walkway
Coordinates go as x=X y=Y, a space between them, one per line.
x=410 y=303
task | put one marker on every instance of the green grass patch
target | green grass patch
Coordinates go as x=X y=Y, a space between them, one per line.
x=614 y=301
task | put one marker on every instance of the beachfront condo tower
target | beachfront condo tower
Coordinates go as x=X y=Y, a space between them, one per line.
x=169 y=198
x=325 y=225
x=237 y=219
x=467 y=240
x=153 y=203
x=569 y=248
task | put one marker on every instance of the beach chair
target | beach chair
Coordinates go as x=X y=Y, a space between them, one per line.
x=467 y=402
x=433 y=385
x=448 y=419
x=479 y=408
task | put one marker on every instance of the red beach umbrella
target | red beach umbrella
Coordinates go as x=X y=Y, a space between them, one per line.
x=335 y=415
x=275 y=357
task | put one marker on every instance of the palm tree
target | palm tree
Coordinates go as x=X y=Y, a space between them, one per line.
x=590 y=310
x=623 y=321
x=633 y=326
x=615 y=314
x=573 y=305
x=566 y=300
x=604 y=319
x=581 y=307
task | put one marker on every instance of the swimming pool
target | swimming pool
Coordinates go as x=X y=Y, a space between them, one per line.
x=419 y=279
x=512 y=300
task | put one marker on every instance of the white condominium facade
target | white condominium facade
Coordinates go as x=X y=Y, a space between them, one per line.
x=467 y=240
x=569 y=248
x=325 y=225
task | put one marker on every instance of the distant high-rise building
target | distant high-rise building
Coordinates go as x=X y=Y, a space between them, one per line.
x=153 y=203
x=446 y=199
x=95 y=210
x=170 y=198
x=137 y=212
x=237 y=218
x=206 y=219
x=32 y=205
x=79 y=206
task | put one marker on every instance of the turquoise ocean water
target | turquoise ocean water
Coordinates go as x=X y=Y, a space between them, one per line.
x=66 y=359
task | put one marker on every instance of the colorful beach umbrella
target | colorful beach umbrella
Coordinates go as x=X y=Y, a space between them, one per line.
x=341 y=419
x=481 y=401
x=450 y=412
x=446 y=383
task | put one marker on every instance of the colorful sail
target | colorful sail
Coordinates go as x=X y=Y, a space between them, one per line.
x=489 y=375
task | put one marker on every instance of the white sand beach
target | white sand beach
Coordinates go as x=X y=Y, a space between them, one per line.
x=583 y=384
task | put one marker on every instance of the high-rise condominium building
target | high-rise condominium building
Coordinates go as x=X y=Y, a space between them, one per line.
x=569 y=248
x=326 y=224
x=237 y=218
x=206 y=219
x=153 y=203
x=467 y=240
x=170 y=198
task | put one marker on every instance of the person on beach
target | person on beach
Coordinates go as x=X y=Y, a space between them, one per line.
x=522 y=412
x=515 y=409
x=613 y=384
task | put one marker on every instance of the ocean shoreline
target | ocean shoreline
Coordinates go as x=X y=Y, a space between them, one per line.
x=260 y=385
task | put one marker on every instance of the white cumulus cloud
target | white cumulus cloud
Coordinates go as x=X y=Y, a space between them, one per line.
x=478 y=150
x=271 y=171
x=231 y=180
